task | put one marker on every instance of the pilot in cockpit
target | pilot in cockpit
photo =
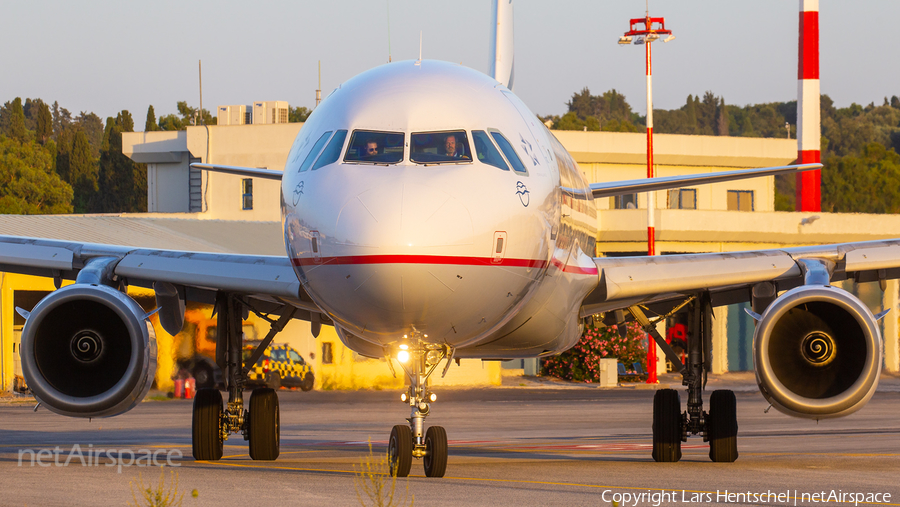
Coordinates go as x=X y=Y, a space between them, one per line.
x=370 y=149
x=450 y=147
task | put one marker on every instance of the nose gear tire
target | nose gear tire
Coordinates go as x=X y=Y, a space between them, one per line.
x=265 y=425
x=667 y=424
x=435 y=459
x=400 y=447
x=205 y=436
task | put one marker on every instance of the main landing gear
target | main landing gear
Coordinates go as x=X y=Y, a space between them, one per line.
x=213 y=422
x=412 y=441
x=671 y=427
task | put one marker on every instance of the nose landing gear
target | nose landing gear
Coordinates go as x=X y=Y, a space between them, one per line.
x=412 y=441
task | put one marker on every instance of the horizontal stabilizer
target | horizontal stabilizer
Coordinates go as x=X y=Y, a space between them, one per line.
x=253 y=172
x=613 y=188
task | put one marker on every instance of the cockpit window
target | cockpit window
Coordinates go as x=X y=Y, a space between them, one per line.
x=332 y=151
x=509 y=151
x=440 y=147
x=315 y=151
x=371 y=147
x=486 y=152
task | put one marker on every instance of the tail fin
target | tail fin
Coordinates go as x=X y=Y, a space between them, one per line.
x=502 y=61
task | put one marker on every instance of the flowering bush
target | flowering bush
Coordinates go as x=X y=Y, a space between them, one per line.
x=581 y=363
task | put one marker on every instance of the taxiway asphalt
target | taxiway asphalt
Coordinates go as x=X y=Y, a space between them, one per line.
x=531 y=444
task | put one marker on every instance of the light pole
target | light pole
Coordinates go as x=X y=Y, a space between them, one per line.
x=653 y=28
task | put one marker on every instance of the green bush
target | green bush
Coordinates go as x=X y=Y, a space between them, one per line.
x=581 y=363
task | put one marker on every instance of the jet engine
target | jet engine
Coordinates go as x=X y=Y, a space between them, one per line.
x=818 y=352
x=88 y=351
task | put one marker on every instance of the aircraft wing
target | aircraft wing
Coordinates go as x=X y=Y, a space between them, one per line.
x=269 y=281
x=253 y=172
x=730 y=276
x=613 y=188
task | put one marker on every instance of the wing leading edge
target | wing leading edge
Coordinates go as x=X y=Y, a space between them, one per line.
x=625 y=281
x=614 y=188
x=269 y=280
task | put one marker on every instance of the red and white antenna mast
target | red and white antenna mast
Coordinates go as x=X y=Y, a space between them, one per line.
x=809 y=126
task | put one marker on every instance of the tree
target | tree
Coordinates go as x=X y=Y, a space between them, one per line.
x=298 y=114
x=864 y=183
x=82 y=172
x=62 y=119
x=189 y=116
x=28 y=184
x=92 y=126
x=722 y=119
x=122 y=183
x=38 y=119
x=12 y=120
x=150 y=125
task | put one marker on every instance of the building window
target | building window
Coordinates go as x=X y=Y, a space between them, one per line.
x=683 y=198
x=627 y=201
x=247 y=191
x=327 y=353
x=740 y=200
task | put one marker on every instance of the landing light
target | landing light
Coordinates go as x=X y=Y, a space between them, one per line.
x=433 y=397
x=404 y=346
x=404 y=397
x=403 y=356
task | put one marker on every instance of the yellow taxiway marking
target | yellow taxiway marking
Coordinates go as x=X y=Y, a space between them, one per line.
x=508 y=481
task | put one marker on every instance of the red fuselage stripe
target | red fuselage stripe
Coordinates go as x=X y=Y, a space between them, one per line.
x=435 y=259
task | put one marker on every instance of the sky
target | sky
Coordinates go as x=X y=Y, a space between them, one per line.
x=105 y=56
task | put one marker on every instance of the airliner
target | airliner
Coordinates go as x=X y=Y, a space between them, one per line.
x=429 y=216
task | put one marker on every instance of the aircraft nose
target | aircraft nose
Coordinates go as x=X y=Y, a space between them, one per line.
x=404 y=219
x=399 y=237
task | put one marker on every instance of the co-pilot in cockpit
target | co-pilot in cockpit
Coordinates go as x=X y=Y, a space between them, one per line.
x=440 y=147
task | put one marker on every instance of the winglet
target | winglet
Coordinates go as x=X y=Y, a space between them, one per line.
x=757 y=317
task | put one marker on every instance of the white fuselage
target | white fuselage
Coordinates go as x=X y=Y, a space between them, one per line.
x=492 y=262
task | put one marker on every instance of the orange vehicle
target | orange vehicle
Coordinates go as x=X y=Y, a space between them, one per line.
x=195 y=347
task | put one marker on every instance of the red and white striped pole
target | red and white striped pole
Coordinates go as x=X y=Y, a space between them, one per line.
x=651 y=204
x=809 y=127
x=651 y=196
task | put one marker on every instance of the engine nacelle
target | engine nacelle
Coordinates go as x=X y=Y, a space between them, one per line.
x=818 y=352
x=88 y=351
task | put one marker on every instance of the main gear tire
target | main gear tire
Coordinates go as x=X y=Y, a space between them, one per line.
x=265 y=425
x=206 y=438
x=667 y=426
x=722 y=426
